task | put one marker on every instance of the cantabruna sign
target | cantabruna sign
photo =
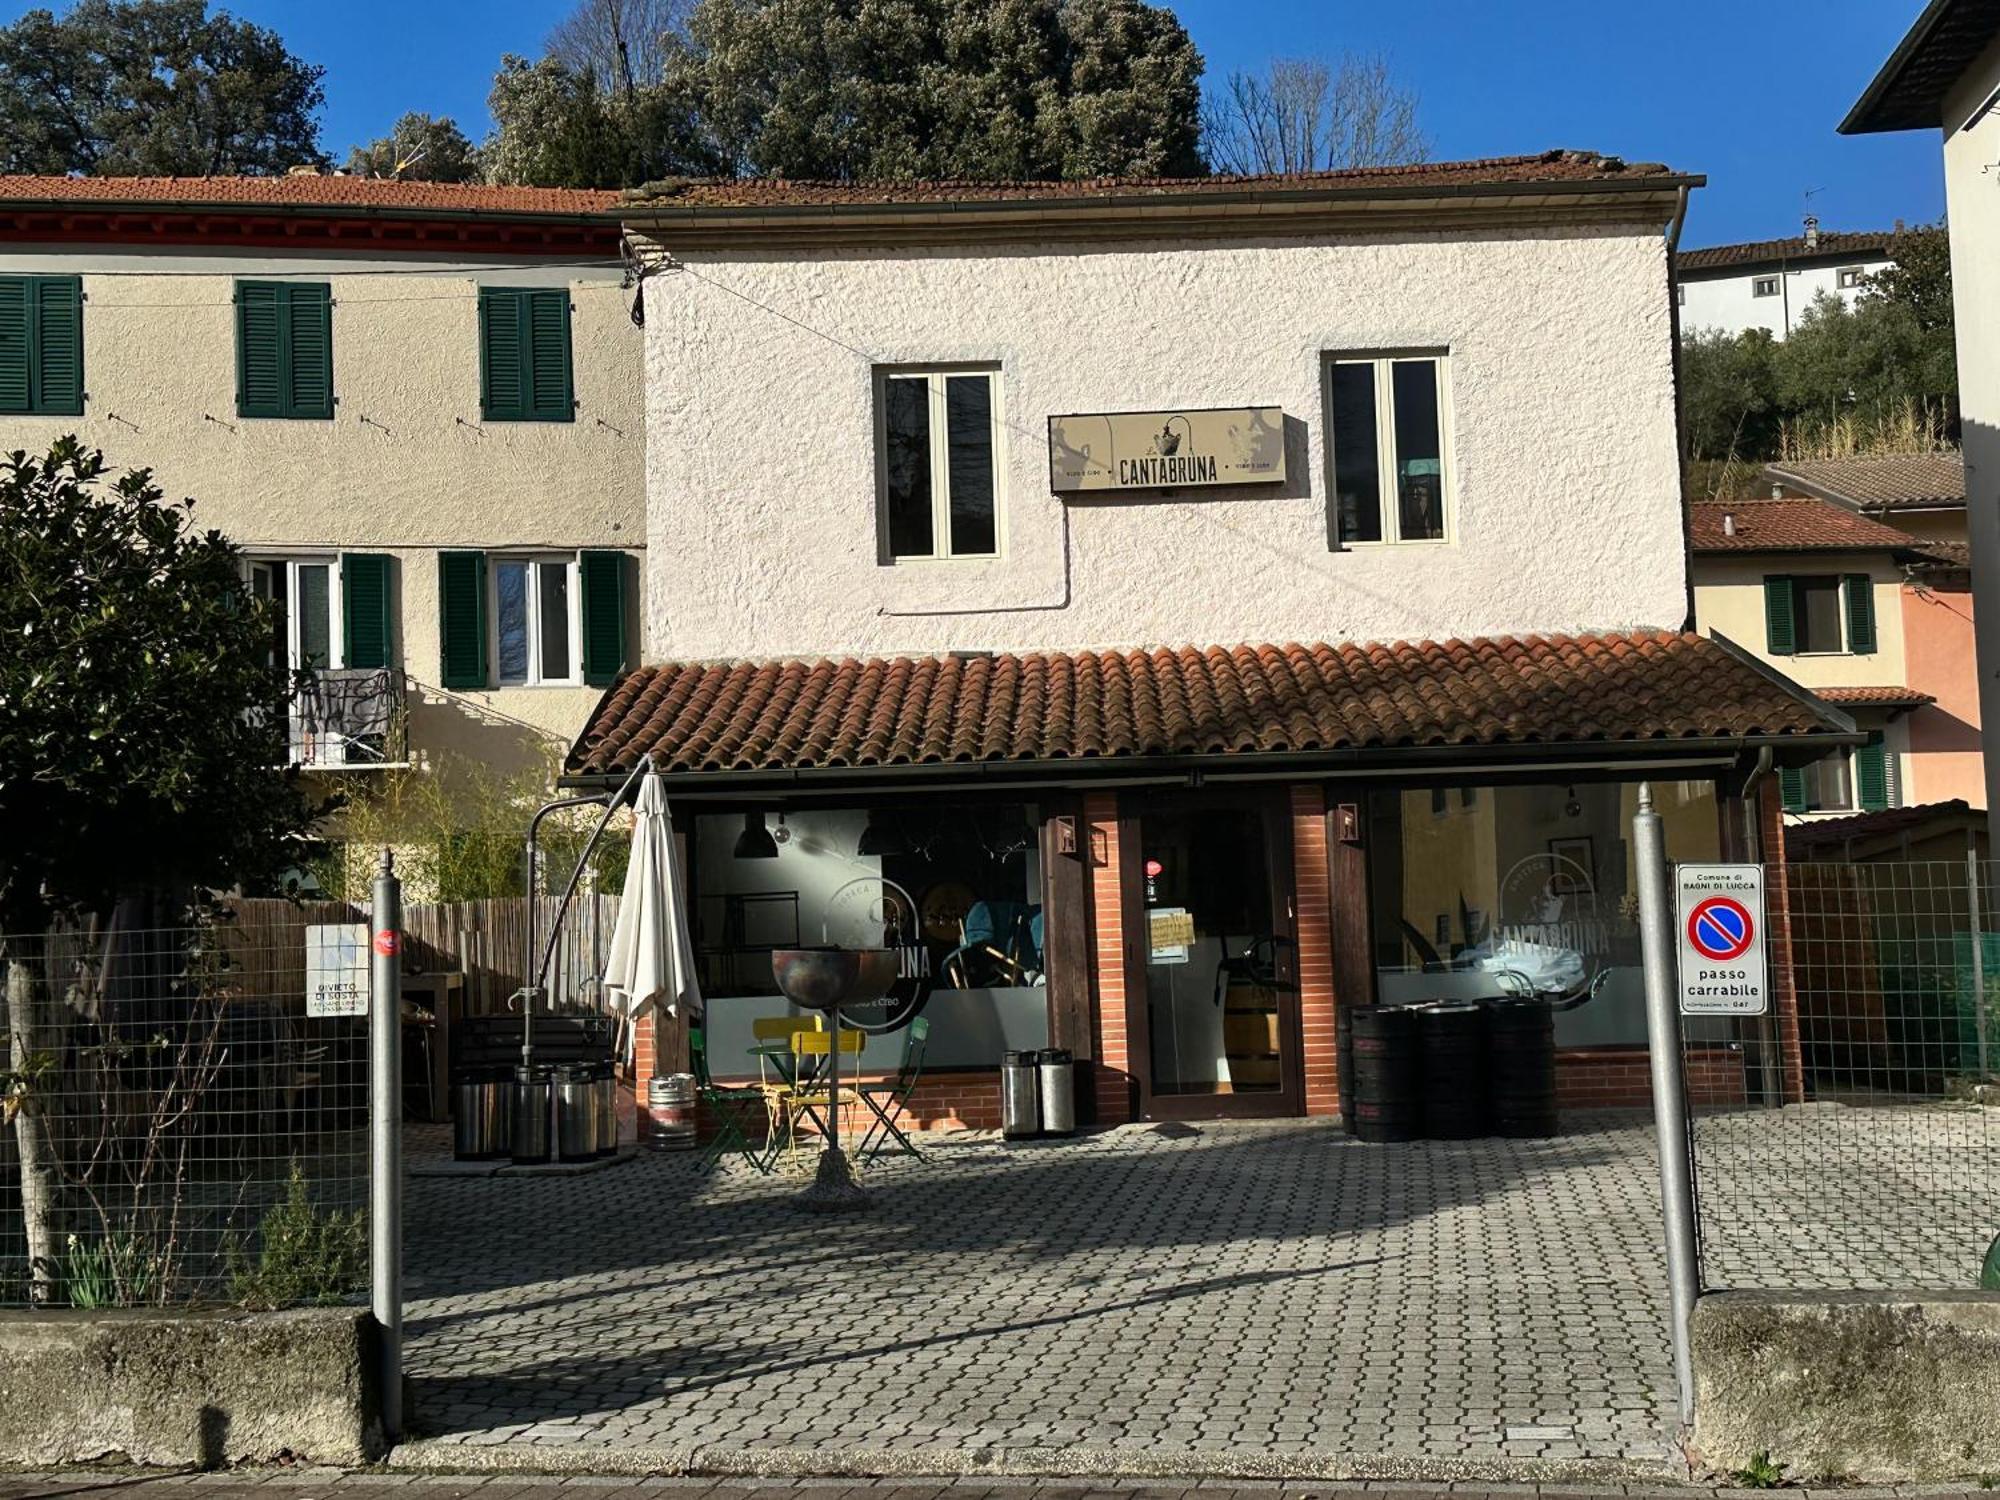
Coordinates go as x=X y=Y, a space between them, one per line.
x=1166 y=450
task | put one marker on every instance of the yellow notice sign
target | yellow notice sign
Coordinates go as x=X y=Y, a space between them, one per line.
x=1170 y=932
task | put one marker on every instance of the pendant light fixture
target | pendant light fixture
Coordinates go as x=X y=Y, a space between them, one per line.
x=755 y=841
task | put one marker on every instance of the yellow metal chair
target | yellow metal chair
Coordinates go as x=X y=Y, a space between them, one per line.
x=768 y=1030
x=811 y=1053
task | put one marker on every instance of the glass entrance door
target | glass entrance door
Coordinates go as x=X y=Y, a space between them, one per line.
x=1220 y=1014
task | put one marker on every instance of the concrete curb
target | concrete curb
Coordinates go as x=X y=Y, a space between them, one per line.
x=430 y=1455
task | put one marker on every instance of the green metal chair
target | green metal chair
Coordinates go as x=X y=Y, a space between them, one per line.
x=727 y=1106
x=897 y=1092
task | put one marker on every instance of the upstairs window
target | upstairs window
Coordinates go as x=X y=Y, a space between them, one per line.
x=550 y=620
x=1385 y=432
x=1807 y=614
x=524 y=355
x=938 y=450
x=1849 y=278
x=328 y=612
x=1864 y=778
x=284 y=349
x=535 y=621
x=41 y=345
x=1763 y=286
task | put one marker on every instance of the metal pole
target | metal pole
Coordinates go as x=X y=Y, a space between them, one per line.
x=1978 y=957
x=385 y=1135
x=1663 y=1041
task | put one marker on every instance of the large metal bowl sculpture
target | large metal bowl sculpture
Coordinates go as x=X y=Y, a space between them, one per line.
x=825 y=979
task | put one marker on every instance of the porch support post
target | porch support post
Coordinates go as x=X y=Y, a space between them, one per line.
x=1347 y=887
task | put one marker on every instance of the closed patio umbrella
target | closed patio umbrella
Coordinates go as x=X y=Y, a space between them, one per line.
x=652 y=955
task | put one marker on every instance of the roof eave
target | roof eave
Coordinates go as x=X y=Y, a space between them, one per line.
x=605 y=219
x=1863 y=118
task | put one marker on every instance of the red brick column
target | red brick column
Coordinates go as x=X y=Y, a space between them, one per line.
x=1778 y=919
x=1314 y=929
x=1107 y=899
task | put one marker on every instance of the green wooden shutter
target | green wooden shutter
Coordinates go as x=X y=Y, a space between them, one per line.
x=462 y=619
x=1792 y=788
x=1871 y=774
x=260 y=364
x=548 y=387
x=1859 y=595
x=57 y=338
x=501 y=358
x=367 y=634
x=16 y=386
x=309 y=351
x=603 y=576
x=1779 y=639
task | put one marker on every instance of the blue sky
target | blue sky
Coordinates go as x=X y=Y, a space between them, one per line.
x=1747 y=93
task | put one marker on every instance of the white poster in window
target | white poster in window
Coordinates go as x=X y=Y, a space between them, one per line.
x=337 y=969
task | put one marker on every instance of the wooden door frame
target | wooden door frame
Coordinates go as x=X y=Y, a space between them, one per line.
x=1272 y=804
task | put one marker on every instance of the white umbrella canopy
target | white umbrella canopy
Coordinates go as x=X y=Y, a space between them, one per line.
x=652 y=956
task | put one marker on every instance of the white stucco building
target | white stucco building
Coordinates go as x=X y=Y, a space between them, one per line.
x=1769 y=284
x=1945 y=76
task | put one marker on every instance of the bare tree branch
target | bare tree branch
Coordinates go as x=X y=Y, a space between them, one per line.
x=1309 y=114
x=622 y=43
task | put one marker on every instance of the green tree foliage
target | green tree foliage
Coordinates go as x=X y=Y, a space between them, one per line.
x=1879 y=375
x=153 y=87
x=141 y=723
x=555 y=126
x=942 y=88
x=419 y=148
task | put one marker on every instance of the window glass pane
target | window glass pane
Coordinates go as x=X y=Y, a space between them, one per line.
x=1419 y=450
x=315 y=609
x=554 y=619
x=906 y=401
x=1357 y=479
x=510 y=589
x=968 y=401
x=1816 y=613
x=1828 y=785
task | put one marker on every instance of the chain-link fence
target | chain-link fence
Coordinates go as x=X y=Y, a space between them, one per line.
x=1867 y=1152
x=178 y=1129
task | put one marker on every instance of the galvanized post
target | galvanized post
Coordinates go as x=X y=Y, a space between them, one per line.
x=1978 y=959
x=385 y=1121
x=1663 y=1040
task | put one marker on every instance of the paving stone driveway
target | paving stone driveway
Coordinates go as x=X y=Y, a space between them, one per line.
x=1210 y=1290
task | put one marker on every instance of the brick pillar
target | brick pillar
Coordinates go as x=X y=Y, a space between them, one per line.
x=1778 y=919
x=1314 y=927
x=1107 y=899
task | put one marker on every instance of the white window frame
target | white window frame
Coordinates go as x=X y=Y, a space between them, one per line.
x=291 y=562
x=1848 y=278
x=1388 y=497
x=935 y=376
x=1764 y=286
x=534 y=562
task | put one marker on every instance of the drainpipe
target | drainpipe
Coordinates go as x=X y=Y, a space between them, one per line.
x=1753 y=826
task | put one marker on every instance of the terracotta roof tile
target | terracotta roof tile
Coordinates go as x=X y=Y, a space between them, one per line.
x=1904 y=481
x=1185 y=701
x=1833 y=244
x=307 y=191
x=1809 y=525
x=1498 y=171
x=1818 y=838
x=1873 y=697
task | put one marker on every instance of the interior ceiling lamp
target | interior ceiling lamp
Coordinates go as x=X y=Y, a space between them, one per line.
x=880 y=837
x=755 y=841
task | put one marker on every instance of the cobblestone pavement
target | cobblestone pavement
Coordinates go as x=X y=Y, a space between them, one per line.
x=1213 y=1291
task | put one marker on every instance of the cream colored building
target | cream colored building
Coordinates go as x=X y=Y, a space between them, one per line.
x=416 y=407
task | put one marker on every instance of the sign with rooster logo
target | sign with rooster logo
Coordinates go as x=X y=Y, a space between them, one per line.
x=1166 y=450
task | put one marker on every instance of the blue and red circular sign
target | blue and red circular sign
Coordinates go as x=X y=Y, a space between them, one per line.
x=1720 y=929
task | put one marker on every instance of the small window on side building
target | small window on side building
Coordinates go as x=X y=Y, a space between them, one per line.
x=1385 y=435
x=938 y=458
x=1849 y=278
x=1763 y=286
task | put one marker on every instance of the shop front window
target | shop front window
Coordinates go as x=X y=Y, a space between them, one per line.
x=1524 y=890
x=956 y=887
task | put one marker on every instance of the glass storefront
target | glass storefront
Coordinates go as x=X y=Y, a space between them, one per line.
x=1480 y=891
x=956 y=886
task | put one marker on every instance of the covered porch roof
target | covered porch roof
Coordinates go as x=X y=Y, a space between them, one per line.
x=1551 y=703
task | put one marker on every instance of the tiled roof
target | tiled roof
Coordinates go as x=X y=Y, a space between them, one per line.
x=1902 y=481
x=1908 y=93
x=1832 y=245
x=1806 y=840
x=1874 y=697
x=1810 y=525
x=1507 y=171
x=306 y=191
x=1934 y=557
x=778 y=715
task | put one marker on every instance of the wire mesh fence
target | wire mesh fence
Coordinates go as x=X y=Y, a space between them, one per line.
x=178 y=1129
x=1866 y=1150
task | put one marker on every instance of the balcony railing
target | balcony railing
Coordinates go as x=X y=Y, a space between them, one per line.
x=349 y=719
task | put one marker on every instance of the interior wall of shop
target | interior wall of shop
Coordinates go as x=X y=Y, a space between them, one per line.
x=762 y=464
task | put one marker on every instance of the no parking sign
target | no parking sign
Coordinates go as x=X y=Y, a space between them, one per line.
x=1721 y=940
